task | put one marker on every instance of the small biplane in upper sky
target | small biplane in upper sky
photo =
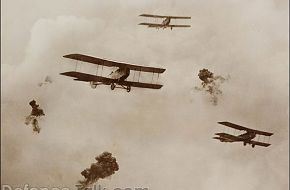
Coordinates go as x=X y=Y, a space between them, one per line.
x=165 y=23
x=246 y=138
x=117 y=77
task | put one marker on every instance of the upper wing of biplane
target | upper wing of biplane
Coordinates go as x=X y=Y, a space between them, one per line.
x=107 y=81
x=238 y=127
x=160 y=16
x=107 y=63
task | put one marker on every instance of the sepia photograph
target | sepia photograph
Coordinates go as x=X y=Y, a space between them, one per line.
x=144 y=94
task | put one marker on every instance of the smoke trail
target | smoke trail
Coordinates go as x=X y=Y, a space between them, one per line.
x=105 y=166
x=211 y=84
x=46 y=81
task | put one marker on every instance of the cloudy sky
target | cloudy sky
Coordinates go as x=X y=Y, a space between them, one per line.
x=161 y=138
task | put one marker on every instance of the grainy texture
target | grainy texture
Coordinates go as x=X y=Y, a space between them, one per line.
x=162 y=138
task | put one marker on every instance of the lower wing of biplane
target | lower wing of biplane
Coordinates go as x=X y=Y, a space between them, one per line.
x=154 y=25
x=119 y=77
x=99 y=80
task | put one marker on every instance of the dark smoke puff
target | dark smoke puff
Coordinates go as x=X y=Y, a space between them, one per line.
x=104 y=156
x=32 y=118
x=105 y=166
x=85 y=173
x=210 y=84
x=33 y=104
x=36 y=111
x=205 y=75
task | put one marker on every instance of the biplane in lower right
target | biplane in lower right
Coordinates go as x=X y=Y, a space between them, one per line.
x=247 y=137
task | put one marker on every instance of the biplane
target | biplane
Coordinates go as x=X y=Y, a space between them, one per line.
x=117 y=78
x=165 y=23
x=247 y=137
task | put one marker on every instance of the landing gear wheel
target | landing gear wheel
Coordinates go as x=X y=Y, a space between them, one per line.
x=113 y=86
x=128 y=88
x=245 y=143
x=253 y=145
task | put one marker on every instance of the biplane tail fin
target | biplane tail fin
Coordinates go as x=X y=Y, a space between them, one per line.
x=228 y=136
x=78 y=76
x=218 y=138
x=151 y=24
x=153 y=16
x=222 y=139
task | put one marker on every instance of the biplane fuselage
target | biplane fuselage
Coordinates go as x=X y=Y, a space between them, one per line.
x=245 y=137
x=166 y=22
x=120 y=74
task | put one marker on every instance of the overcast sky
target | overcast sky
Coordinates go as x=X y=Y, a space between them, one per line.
x=162 y=139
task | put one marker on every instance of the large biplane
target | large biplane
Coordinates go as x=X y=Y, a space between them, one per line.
x=165 y=23
x=246 y=138
x=118 y=77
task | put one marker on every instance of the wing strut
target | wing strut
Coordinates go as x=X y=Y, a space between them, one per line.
x=157 y=78
x=133 y=76
x=97 y=70
x=76 y=66
x=139 y=75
